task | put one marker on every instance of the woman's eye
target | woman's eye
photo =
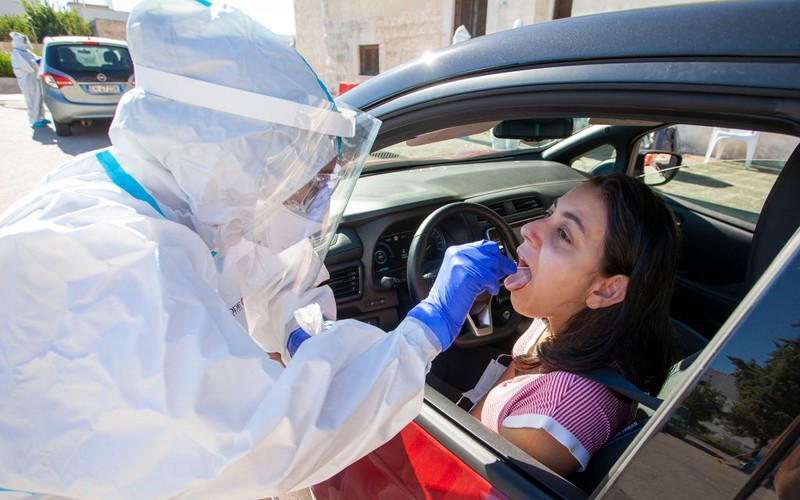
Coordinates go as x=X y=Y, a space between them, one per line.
x=563 y=235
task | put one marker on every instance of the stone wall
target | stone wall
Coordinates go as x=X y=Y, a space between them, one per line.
x=8 y=47
x=584 y=7
x=329 y=33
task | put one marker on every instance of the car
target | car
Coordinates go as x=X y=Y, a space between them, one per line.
x=481 y=137
x=84 y=78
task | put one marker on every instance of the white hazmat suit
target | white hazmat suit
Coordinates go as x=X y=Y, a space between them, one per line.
x=136 y=279
x=461 y=35
x=26 y=69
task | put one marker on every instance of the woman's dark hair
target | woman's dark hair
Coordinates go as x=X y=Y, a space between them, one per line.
x=641 y=242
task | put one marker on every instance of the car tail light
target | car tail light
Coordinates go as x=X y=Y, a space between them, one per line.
x=56 y=81
x=91 y=42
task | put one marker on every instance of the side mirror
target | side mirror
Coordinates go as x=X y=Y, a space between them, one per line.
x=655 y=168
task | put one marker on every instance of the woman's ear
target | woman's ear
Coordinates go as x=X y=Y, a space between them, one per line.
x=607 y=292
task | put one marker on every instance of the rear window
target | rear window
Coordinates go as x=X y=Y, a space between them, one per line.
x=89 y=58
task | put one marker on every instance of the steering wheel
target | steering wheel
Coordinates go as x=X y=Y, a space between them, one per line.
x=479 y=324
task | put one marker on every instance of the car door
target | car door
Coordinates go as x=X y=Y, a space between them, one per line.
x=740 y=399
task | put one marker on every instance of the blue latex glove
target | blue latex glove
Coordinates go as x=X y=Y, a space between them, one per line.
x=467 y=271
x=297 y=337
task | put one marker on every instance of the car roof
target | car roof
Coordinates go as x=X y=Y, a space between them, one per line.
x=730 y=29
x=53 y=40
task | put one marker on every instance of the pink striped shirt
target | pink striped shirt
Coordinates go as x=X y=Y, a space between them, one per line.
x=579 y=413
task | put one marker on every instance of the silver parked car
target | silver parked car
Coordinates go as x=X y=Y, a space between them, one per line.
x=84 y=78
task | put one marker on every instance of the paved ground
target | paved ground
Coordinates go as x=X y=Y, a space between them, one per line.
x=671 y=468
x=26 y=154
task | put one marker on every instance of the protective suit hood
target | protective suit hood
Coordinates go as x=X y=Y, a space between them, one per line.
x=19 y=41
x=230 y=169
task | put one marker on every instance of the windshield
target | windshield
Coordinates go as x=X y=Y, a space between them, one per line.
x=471 y=141
x=80 y=58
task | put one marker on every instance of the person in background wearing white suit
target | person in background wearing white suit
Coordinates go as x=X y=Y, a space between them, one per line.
x=26 y=68
x=144 y=285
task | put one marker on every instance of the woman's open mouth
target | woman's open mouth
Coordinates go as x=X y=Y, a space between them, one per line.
x=519 y=279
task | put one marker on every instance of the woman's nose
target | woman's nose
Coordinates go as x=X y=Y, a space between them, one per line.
x=530 y=232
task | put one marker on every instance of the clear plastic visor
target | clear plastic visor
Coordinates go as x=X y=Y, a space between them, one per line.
x=318 y=204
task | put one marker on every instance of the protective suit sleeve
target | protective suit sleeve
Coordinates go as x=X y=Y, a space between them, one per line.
x=350 y=380
x=24 y=62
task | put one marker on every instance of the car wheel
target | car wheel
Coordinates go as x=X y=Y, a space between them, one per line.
x=62 y=129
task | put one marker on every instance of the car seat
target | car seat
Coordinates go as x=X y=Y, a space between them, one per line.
x=68 y=59
x=778 y=221
x=111 y=58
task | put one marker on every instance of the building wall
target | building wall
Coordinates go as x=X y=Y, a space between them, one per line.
x=108 y=28
x=11 y=7
x=91 y=12
x=329 y=33
x=584 y=7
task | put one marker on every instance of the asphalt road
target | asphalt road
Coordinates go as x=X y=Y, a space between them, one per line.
x=27 y=155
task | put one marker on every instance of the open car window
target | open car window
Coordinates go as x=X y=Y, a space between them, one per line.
x=728 y=171
x=470 y=141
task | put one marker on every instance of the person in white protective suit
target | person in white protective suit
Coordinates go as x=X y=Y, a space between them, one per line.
x=461 y=35
x=26 y=68
x=143 y=285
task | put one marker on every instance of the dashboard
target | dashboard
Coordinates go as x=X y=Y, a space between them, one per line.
x=368 y=256
x=391 y=251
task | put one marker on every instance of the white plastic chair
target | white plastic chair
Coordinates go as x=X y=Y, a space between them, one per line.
x=750 y=137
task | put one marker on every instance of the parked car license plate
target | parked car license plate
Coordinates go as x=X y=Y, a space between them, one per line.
x=103 y=89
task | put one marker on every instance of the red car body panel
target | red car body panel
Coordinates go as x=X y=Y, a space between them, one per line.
x=411 y=465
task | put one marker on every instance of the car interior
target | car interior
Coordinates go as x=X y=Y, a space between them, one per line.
x=486 y=178
x=83 y=62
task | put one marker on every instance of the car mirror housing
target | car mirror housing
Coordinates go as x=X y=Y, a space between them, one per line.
x=655 y=168
x=528 y=129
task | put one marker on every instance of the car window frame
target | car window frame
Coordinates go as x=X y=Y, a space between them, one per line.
x=737 y=324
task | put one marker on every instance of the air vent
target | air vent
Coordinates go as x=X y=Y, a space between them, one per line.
x=499 y=208
x=345 y=283
x=526 y=204
x=508 y=209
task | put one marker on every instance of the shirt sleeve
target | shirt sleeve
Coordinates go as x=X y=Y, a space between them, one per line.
x=579 y=413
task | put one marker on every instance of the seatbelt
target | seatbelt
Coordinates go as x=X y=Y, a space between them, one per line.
x=619 y=384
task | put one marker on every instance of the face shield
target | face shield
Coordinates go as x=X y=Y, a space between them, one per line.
x=298 y=192
x=301 y=229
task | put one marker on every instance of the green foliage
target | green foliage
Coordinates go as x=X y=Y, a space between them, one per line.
x=5 y=65
x=16 y=23
x=767 y=394
x=704 y=405
x=45 y=20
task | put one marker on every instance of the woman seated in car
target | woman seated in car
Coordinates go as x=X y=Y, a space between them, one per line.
x=597 y=275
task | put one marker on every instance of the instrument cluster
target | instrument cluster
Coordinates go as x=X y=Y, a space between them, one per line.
x=391 y=252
